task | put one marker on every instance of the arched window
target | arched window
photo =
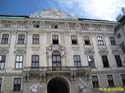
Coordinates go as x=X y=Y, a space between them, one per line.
x=56 y=59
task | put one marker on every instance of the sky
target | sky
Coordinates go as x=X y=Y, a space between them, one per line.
x=92 y=9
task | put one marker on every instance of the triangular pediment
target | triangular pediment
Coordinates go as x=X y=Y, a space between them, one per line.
x=52 y=13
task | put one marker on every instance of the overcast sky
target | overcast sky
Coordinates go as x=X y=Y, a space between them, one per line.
x=93 y=9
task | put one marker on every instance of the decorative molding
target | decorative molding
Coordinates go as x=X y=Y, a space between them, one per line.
x=52 y=13
x=52 y=48
x=20 y=51
x=103 y=52
x=89 y=51
x=4 y=51
x=116 y=52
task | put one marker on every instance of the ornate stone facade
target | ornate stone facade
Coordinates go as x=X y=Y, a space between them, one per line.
x=54 y=52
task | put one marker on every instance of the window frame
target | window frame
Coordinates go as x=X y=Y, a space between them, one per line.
x=5 y=40
x=3 y=62
x=112 y=40
x=104 y=61
x=35 y=39
x=87 y=39
x=19 y=85
x=97 y=81
x=21 y=41
x=93 y=62
x=20 y=63
x=110 y=82
x=55 y=39
x=118 y=63
x=1 y=83
x=35 y=60
x=56 y=59
x=74 y=40
x=123 y=83
x=100 y=40
x=77 y=60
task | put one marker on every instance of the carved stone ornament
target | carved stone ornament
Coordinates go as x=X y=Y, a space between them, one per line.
x=116 y=52
x=20 y=51
x=4 y=51
x=52 y=48
x=52 y=13
x=35 y=87
x=89 y=51
x=82 y=86
x=101 y=52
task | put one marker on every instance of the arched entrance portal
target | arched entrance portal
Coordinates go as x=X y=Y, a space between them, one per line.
x=57 y=85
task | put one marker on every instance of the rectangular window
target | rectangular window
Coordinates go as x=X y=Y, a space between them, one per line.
x=5 y=38
x=118 y=35
x=0 y=84
x=77 y=60
x=17 y=84
x=55 y=39
x=123 y=79
x=21 y=38
x=110 y=80
x=91 y=61
x=105 y=61
x=74 y=39
x=118 y=60
x=19 y=62
x=87 y=40
x=112 y=40
x=35 y=61
x=100 y=40
x=95 y=82
x=35 y=39
x=122 y=45
x=2 y=61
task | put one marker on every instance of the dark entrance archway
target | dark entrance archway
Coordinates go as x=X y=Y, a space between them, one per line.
x=57 y=85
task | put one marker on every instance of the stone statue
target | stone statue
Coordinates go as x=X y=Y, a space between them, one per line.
x=82 y=86
x=34 y=87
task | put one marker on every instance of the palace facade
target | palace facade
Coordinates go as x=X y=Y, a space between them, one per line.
x=54 y=52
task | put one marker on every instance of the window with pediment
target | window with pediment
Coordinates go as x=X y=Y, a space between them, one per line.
x=56 y=59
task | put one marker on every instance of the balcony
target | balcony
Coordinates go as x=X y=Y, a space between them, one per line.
x=57 y=69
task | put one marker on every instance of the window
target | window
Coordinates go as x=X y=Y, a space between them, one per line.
x=55 y=39
x=35 y=39
x=87 y=40
x=123 y=79
x=84 y=26
x=2 y=61
x=119 y=35
x=19 y=62
x=17 y=84
x=100 y=40
x=118 y=60
x=95 y=82
x=110 y=80
x=21 y=38
x=122 y=45
x=77 y=60
x=91 y=61
x=54 y=26
x=112 y=40
x=5 y=38
x=74 y=39
x=35 y=61
x=0 y=83
x=72 y=26
x=56 y=59
x=36 y=26
x=105 y=61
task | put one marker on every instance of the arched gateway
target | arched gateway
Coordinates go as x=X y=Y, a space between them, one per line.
x=57 y=85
